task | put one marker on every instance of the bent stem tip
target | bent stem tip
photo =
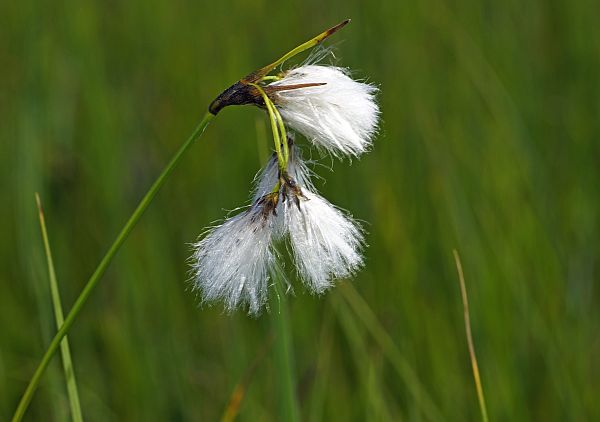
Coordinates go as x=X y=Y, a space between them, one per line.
x=65 y=350
x=299 y=49
x=243 y=91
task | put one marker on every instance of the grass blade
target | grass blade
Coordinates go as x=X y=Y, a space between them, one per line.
x=374 y=405
x=389 y=348
x=58 y=315
x=465 y=300
x=239 y=392
x=321 y=382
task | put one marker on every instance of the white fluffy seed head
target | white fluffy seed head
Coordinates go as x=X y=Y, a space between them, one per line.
x=233 y=261
x=340 y=116
x=326 y=243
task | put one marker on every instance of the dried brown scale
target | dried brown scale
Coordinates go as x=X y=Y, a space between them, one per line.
x=291 y=188
x=268 y=204
x=237 y=94
x=242 y=93
x=269 y=89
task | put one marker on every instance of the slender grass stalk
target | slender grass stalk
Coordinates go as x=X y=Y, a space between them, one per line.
x=302 y=47
x=104 y=263
x=320 y=388
x=284 y=357
x=389 y=348
x=473 y=357
x=58 y=315
x=239 y=392
x=374 y=403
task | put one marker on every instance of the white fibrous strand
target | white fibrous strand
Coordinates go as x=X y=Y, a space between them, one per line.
x=233 y=262
x=266 y=179
x=340 y=116
x=326 y=243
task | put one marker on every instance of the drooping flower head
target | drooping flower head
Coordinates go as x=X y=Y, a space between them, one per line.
x=234 y=262
x=323 y=103
x=339 y=116
x=326 y=242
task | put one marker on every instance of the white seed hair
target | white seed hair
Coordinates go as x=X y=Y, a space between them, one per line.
x=340 y=116
x=326 y=243
x=234 y=261
x=266 y=179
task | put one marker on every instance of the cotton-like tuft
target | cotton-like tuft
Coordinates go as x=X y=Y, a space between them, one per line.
x=340 y=116
x=325 y=242
x=233 y=262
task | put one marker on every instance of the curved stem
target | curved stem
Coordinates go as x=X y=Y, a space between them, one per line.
x=275 y=127
x=87 y=290
x=283 y=133
x=472 y=355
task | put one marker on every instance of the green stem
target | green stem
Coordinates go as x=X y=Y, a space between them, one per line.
x=283 y=133
x=275 y=127
x=270 y=78
x=470 y=343
x=284 y=357
x=58 y=315
x=87 y=290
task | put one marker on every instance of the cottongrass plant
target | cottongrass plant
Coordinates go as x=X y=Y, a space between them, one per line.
x=237 y=262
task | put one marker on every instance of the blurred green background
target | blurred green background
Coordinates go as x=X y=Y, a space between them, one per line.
x=489 y=144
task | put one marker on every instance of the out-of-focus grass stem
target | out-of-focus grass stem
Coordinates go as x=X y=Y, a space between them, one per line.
x=239 y=392
x=390 y=350
x=284 y=356
x=374 y=405
x=473 y=357
x=58 y=315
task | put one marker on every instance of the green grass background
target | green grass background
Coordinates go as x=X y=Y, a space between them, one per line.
x=489 y=144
